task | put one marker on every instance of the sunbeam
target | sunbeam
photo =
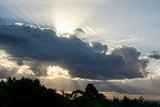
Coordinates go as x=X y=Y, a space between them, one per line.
x=65 y=17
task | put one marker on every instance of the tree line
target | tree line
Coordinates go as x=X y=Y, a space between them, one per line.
x=26 y=92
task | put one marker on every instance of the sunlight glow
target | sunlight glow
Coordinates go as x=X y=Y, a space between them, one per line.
x=57 y=71
x=6 y=61
x=64 y=27
x=25 y=70
x=64 y=17
x=7 y=64
x=64 y=30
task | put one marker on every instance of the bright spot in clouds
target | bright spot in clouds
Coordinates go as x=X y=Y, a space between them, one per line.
x=64 y=29
x=25 y=70
x=5 y=61
x=8 y=66
x=57 y=71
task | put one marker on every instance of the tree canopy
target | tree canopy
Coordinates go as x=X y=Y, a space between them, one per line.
x=30 y=93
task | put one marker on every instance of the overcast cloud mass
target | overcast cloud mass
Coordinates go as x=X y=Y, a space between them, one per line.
x=44 y=47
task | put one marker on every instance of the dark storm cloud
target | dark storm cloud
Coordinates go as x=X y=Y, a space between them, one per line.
x=98 y=47
x=131 y=58
x=42 y=48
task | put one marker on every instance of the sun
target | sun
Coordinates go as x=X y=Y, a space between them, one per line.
x=64 y=29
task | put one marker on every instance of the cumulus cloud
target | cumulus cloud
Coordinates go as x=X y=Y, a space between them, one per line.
x=131 y=58
x=10 y=68
x=39 y=49
x=98 y=47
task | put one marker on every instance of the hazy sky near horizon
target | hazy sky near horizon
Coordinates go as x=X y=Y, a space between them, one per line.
x=112 y=23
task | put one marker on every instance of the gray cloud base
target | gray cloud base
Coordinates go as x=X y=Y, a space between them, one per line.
x=40 y=48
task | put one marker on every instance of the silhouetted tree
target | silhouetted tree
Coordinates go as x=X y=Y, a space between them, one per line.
x=91 y=91
x=30 y=93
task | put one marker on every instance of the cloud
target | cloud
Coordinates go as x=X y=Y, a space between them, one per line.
x=10 y=68
x=79 y=30
x=39 y=49
x=131 y=59
x=144 y=86
x=148 y=86
x=155 y=55
x=98 y=47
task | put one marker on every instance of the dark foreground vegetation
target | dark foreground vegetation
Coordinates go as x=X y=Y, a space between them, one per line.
x=30 y=93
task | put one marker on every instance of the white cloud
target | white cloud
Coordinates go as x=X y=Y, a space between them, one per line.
x=57 y=71
x=10 y=68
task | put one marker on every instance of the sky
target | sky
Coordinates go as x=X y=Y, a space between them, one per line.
x=67 y=44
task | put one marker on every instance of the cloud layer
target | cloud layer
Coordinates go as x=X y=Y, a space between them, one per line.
x=39 y=49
